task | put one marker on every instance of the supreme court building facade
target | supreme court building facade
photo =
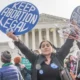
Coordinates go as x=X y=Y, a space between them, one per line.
x=46 y=29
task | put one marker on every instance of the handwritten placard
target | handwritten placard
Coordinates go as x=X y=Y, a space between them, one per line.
x=19 y=17
x=76 y=15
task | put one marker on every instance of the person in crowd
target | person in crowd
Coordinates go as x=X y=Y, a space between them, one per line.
x=27 y=64
x=8 y=70
x=71 y=64
x=65 y=61
x=78 y=64
x=24 y=71
x=44 y=65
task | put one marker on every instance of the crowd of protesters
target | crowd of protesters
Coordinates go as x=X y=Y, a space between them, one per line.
x=44 y=62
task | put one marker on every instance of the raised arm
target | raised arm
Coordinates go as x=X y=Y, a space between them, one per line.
x=27 y=52
x=64 y=50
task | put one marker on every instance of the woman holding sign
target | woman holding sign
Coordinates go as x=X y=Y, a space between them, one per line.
x=44 y=66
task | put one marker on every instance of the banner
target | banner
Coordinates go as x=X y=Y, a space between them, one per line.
x=19 y=17
x=75 y=16
x=73 y=30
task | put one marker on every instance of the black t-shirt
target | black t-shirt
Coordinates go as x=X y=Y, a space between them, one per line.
x=48 y=72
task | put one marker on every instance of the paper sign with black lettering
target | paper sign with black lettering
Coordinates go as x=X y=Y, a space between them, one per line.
x=19 y=17
x=75 y=16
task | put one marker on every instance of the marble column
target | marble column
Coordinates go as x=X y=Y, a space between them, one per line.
x=26 y=39
x=47 y=34
x=33 y=39
x=40 y=35
x=61 y=41
x=54 y=37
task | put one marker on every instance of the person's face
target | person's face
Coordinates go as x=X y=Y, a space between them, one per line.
x=46 y=48
x=71 y=58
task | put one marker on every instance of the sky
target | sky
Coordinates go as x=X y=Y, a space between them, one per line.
x=61 y=8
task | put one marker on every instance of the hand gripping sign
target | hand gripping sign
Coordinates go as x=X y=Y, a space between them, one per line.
x=19 y=17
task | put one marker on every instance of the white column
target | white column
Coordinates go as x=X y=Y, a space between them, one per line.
x=40 y=36
x=26 y=39
x=61 y=41
x=33 y=39
x=47 y=34
x=54 y=38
